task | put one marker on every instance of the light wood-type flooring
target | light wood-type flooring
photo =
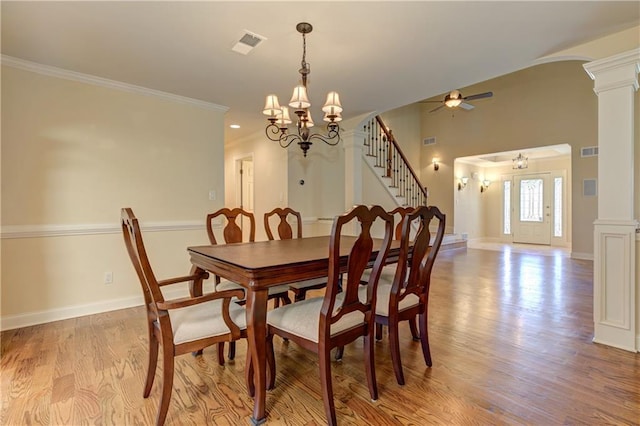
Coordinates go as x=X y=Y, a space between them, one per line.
x=511 y=343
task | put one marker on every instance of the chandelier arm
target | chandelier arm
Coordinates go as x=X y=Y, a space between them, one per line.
x=332 y=138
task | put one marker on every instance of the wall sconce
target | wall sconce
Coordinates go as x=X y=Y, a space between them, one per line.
x=485 y=185
x=462 y=183
x=436 y=163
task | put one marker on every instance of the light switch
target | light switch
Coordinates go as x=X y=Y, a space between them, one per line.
x=212 y=195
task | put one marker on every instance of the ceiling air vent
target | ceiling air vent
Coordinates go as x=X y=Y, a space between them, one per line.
x=589 y=151
x=429 y=141
x=247 y=42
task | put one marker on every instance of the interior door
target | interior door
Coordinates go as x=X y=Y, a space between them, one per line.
x=532 y=218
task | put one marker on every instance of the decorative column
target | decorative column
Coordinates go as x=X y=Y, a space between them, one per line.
x=615 y=306
x=353 y=145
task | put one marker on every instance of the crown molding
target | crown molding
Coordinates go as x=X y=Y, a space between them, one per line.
x=104 y=82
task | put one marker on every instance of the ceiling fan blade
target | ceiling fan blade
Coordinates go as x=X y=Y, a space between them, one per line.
x=478 y=96
x=425 y=102
x=466 y=106
x=436 y=109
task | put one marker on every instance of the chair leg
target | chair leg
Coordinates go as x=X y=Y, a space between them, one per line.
x=394 y=344
x=300 y=295
x=414 y=329
x=220 y=353
x=378 y=331
x=339 y=353
x=370 y=365
x=167 y=382
x=327 y=388
x=424 y=339
x=232 y=350
x=271 y=363
x=152 y=363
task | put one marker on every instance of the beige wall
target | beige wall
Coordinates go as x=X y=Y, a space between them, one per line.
x=74 y=154
x=547 y=104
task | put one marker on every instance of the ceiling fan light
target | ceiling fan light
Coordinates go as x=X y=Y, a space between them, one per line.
x=452 y=103
x=271 y=106
x=299 y=99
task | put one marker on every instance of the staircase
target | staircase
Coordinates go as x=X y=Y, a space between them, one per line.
x=389 y=164
x=385 y=158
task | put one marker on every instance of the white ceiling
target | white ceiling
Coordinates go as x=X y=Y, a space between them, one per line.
x=377 y=55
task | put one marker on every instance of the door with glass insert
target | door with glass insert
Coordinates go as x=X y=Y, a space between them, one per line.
x=532 y=218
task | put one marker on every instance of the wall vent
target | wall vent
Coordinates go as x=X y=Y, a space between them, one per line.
x=429 y=141
x=589 y=151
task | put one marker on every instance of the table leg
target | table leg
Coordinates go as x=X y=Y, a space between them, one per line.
x=256 y=336
x=195 y=286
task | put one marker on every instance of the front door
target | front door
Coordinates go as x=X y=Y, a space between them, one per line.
x=532 y=221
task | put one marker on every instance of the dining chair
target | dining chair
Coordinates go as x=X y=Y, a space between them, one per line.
x=285 y=231
x=407 y=296
x=339 y=317
x=180 y=325
x=232 y=232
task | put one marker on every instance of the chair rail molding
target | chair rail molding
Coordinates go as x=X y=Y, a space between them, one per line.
x=54 y=230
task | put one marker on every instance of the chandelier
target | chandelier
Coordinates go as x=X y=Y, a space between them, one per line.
x=279 y=119
x=520 y=162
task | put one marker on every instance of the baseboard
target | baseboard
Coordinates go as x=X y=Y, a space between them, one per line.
x=582 y=256
x=11 y=322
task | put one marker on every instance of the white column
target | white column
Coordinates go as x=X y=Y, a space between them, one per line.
x=615 y=281
x=353 y=146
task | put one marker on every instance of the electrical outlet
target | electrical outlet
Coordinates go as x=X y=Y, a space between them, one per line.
x=108 y=277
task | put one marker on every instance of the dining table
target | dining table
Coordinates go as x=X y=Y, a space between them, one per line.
x=256 y=266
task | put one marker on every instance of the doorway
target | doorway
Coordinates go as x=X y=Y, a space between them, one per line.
x=245 y=186
x=532 y=208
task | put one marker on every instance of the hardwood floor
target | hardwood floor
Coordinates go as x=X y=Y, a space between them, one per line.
x=510 y=338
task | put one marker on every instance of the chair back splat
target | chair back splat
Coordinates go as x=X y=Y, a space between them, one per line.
x=285 y=230
x=232 y=232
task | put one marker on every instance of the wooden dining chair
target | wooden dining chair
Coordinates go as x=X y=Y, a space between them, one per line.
x=339 y=317
x=181 y=325
x=232 y=232
x=285 y=231
x=407 y=296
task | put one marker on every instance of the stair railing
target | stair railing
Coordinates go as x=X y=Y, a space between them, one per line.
x=380 y=144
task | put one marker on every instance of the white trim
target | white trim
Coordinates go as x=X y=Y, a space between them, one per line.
x=581 y=256
x=11 y=322
x=43 y=231
x=104 y=82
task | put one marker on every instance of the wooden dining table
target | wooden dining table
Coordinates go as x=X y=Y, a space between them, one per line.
x=256 y=266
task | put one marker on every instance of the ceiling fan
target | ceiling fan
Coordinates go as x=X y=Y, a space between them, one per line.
x=454 y=99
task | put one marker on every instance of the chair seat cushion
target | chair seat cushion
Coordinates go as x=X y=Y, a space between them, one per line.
x=309 y=283
x=204 y=320
x=302 y=319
